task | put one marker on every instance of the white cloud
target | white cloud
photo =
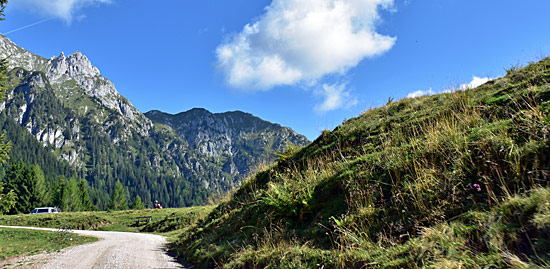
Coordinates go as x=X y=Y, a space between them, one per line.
x=476 y=82
x=66 y=10
x=300 y=41
x=336 y=96
x=420 y=93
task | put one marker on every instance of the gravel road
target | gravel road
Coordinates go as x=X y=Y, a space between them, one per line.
x=113 y=250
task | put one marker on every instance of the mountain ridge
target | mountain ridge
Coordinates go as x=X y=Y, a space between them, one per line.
x=225 y=132
x=67 y=105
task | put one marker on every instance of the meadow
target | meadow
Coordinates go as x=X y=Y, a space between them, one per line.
x=19 y=242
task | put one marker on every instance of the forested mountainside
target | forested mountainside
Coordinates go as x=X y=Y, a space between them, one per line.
x=86 y=128
x=241 y=140
x=454 y=180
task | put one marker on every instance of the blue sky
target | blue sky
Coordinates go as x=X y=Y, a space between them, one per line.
x=305 y=64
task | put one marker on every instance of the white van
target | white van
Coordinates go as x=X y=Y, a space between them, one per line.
x=40 y=210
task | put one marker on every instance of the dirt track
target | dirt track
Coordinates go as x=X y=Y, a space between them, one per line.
x=114 y=250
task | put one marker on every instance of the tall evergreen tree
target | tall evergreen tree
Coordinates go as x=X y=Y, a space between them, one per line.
x=118 y=198
x=7 y=200
x=71 y=197
x=41 y=191
x=59 y=193
x=137 y=203
x=84 y=196
x=19 y=178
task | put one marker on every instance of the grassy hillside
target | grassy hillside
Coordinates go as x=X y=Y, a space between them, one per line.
x=452 y=180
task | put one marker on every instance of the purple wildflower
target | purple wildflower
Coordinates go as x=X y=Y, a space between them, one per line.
x=478 y=187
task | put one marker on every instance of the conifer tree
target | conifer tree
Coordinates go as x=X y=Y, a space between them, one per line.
x=40 y=189
x=59 y=194
x=71 y=197
x=7 y=200
x=137 y=203
x=84 y=196
x=118 y=198
x=19 y=178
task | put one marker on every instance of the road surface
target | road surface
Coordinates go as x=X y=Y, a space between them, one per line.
x=113 y=250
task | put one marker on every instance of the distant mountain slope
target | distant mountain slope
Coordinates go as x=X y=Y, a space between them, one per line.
x=455 y=180
x=241 y=139
x=69 y=107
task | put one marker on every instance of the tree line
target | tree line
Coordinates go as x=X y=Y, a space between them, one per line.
x=24 y=187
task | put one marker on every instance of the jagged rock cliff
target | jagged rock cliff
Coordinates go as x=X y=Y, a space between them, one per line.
x=241 y=139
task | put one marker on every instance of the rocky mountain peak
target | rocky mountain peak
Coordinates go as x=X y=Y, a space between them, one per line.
x=73 y=66
x=19 y=57
x=73 y=78
x=195 y=112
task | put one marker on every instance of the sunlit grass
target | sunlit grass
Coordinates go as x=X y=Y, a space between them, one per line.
x=422 y=182
x=17 y=242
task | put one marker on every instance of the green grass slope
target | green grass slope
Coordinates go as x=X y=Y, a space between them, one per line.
x=456 y=180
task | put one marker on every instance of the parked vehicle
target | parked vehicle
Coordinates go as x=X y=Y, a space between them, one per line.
x=42 y=210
